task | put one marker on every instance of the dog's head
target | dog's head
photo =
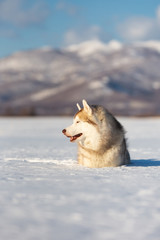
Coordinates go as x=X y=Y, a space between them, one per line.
x=84 y=125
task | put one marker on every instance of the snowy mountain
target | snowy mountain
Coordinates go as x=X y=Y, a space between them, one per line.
x=124 y=78
x=91 y=47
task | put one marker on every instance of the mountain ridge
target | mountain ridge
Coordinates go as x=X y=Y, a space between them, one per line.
x=125 y=78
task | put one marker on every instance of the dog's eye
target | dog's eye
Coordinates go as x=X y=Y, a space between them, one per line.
x=78 y=122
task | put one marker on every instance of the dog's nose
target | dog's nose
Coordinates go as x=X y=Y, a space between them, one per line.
x=64 y=131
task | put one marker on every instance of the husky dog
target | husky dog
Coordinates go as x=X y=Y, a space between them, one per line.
x=100 y=137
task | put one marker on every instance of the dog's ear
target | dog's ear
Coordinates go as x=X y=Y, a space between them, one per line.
x=78 y=106
x=86 y=107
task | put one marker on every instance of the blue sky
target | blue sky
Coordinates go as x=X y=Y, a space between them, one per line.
x=28 y=24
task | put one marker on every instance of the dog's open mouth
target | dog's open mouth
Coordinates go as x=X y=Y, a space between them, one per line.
x=73 y=138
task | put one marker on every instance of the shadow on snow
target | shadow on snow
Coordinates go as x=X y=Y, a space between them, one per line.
x=144 y=163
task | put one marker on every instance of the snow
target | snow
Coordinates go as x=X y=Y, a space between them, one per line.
x=43 y=94
x=154 y=45
x=45 y=194
x=90 y=47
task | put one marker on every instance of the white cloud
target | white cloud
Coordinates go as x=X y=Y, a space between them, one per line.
x=80 y=35
x=140 y=28
x=14 y=12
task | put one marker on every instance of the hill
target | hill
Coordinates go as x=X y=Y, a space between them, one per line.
x=124 y=78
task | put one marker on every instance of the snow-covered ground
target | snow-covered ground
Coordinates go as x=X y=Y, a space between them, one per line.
x=46 y=195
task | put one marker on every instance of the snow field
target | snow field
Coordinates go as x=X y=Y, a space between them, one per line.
x=45 y=194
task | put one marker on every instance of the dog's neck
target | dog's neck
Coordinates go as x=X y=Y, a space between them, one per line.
x=90 y=144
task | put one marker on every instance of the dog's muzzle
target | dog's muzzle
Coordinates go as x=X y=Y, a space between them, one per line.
x=72 y=138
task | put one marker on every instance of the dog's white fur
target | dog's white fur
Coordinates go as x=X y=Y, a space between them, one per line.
x=100 y=137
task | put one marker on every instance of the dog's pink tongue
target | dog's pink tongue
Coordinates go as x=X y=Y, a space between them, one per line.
x=75 y=137
x=72 y=138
